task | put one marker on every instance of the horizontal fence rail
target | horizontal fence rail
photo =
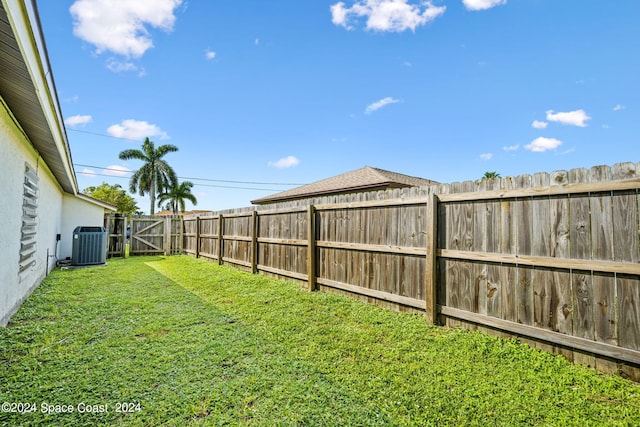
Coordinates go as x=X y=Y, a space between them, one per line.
x=551 y=258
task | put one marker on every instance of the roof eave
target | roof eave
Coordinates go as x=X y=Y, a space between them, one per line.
x=105 y=205
x=30 y=91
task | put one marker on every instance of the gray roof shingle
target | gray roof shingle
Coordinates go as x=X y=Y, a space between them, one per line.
x=363 y=179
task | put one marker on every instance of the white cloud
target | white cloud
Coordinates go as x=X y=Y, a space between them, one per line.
x=116 y=170
x=209 y=54
x=482 y=4
x=121 y=26
x=88 y=173
x=538 y=124
x=123 y=66
x=574 y=118
x=256 y=41
x=285 y=162
x=136 y=130
x=339 y=15
x=486 y=156
x=379 y=104
x=542 y=144
x=511 y=147
x=77 y=120
x=619 y=107
x=386 y=15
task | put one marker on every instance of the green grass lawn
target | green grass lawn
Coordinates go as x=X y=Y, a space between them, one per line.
x=180 y=341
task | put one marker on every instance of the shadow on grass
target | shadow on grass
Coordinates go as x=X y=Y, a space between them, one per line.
x=180 y=341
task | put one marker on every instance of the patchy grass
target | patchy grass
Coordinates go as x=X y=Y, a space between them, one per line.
x=179 y=341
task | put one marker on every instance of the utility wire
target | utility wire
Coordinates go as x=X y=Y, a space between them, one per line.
x=199 y=179
x=199 y=185
x=102 y=134
x=181 y=177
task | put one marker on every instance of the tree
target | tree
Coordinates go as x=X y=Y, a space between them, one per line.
x=155 y=175
x=115 y=195
x=491 y=175
x=176 y=196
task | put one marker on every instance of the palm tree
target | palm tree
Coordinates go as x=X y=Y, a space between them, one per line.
x=491 y=175
x=155 y=175
x=176 y=196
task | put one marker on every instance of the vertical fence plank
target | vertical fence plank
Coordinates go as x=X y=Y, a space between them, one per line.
x=453 y=241
x=480 y=245
x=523 y=217
x=508 y=273
x=197 y=248
x=540 y=245
x=167 y=236
x=254 y=241
x=605 y=293
x=467 y=290
x=561 y=299
x=311 y=248
x=431 y=277
x=625 y=248
x=124 y=238
x=441 y=263
x=494 y=286
x=581 y=281
x=220 y=238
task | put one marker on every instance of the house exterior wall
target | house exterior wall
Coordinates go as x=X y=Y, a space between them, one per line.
x=77 y=212
x=15 y=151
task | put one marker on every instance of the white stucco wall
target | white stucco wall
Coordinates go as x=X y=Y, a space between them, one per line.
x=15 y=150
x=77 y=212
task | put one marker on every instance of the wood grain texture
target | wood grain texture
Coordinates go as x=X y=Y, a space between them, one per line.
x=523 y=218
x=625 y=248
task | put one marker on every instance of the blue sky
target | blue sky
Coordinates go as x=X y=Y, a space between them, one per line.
x=261 y=94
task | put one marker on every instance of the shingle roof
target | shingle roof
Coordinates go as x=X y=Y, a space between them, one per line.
x=364 y=179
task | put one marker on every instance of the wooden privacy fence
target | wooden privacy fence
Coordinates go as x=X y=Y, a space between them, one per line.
x=552 y=258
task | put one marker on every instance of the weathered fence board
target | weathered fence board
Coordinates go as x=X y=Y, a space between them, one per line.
x=116 y=226
x=524 y=233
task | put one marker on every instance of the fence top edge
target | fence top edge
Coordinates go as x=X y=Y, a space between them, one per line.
x=548 y=190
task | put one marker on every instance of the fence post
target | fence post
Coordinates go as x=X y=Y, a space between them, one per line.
x=197 y=236
x=124 y=237
x=254 y=242
x=167 y=236
x=181 y=247
x=311 y=248
x=431 y=277
x=220 y=235
x=107 y=225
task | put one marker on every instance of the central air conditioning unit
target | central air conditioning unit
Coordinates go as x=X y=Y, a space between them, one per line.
x=89 y=246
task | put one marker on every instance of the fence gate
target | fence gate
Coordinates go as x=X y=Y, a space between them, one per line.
x=151 y=235
x=116 y=226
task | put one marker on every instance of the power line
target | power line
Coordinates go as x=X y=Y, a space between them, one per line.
x=181 y=177
x=199 y=179
x=102 y=134
x=199 y=185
